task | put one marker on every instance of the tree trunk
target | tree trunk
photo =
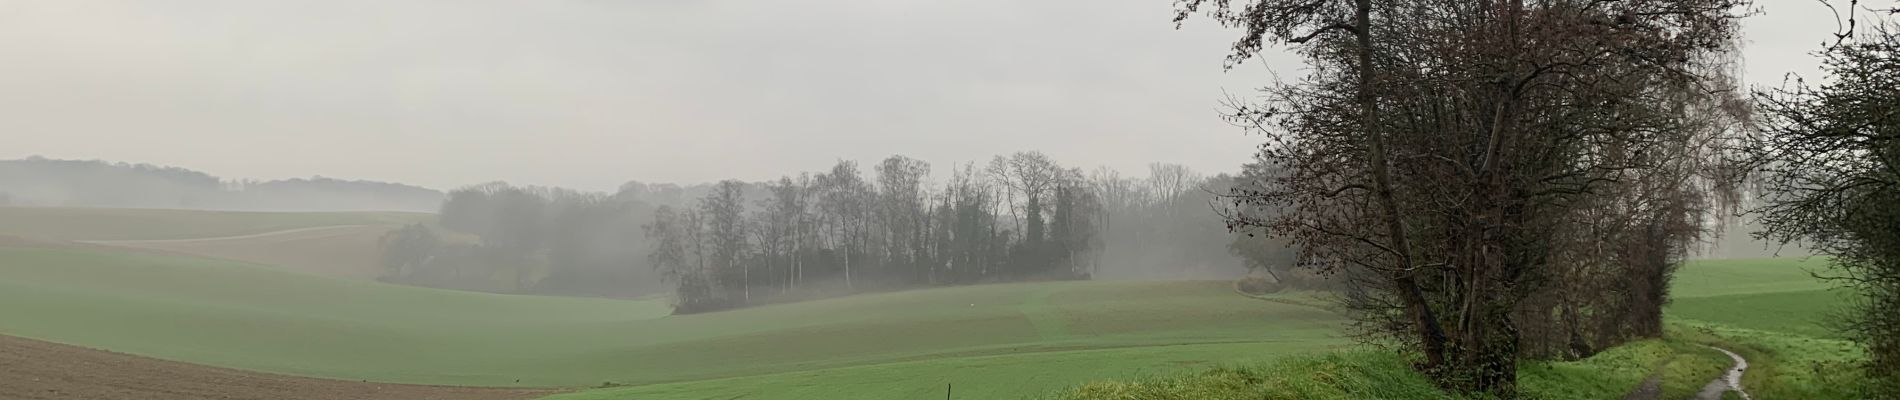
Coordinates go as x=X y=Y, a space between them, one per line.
x=1431 y=335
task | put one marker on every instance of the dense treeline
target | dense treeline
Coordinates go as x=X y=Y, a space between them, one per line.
x=39 y=181
x=831 y=232
x=1019 y=217
x=1022 y=217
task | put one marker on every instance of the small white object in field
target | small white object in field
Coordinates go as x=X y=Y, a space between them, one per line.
x=973 y=304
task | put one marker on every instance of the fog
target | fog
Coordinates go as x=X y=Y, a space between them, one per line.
x=264 y=98
x=75 y=183
x=589 y=94
x=871 y=199
x=881 y=144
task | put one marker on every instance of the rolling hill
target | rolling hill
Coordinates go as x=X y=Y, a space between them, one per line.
x=238 y=290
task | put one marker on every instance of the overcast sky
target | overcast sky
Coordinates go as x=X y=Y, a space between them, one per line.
x=592 y=93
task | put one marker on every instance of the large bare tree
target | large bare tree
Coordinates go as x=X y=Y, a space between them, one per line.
x=1440 y=149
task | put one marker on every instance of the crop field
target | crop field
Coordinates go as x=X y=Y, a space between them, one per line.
x=182 y=304
x=150 y=224
x=251 y=317
x=222 y=303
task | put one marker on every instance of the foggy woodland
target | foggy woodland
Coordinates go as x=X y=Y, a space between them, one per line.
x=1486 y=187
x=840 y=230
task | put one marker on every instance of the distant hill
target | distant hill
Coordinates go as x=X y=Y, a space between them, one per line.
x=37 y=181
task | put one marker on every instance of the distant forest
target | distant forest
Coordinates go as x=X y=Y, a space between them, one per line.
x=813 y=234
x=37 y=181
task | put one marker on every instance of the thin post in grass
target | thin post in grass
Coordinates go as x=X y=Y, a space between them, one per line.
x=946 y=391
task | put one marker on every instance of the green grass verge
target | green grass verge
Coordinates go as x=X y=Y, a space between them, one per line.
x=1772 y=312
x=1011 y=376
x=1338 y=375
x=72 y=223
x=1682 y=368
x=1785 y=365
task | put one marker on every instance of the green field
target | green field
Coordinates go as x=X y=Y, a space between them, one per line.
x=1135 y=339
x=1777 y=295
x=1773 y=312
x=78 y=223
x=253 y=317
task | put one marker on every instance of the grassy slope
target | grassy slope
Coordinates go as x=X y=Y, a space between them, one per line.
x=991 y=341
x=239 y=315
x=1010 y=376
x=1338 y=375
x=141 y=224
x=1770 y=311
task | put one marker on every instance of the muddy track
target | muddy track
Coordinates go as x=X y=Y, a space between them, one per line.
x=37 y=370
x=1731 y=381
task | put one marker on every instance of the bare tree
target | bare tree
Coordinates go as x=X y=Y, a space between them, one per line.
x=1506 y=117
x=901 y=209
x=1031 y=175
x=1827 y=162
x=724 y=211
x=843 y=199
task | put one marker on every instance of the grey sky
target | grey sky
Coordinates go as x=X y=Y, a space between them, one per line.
x=591 y=93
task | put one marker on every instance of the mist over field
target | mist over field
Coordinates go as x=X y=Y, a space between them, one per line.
x=974 y=199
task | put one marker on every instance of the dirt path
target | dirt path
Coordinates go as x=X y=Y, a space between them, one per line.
x=211 y=239
x=1730 y=381
x=37 y=370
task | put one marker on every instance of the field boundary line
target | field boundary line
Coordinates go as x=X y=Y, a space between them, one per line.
x=221 y=238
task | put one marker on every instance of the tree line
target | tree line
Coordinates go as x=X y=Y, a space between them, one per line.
x=841 y=230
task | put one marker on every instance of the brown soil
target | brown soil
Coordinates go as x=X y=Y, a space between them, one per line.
x=32 y=369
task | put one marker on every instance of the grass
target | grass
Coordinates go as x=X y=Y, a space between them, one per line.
x=1132 y=340
x=73 y=223
x=1337 y=375
x=1772 y=312
x=246 y=316
x=1785 y=365
x=353 y=252
x=1809 y=313
x=1010 y=376
x=1681 y=366
x=1709 y=278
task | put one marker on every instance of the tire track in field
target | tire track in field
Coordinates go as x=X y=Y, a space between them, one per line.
x=1046 y=318
x=221 y=238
